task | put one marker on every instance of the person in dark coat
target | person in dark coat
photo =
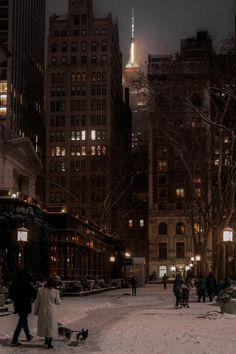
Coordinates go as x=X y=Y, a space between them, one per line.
x=134 y=282
x=164 y=280
x=22 y=293
x=211 y=285
x=177 y=289
x=202 y=286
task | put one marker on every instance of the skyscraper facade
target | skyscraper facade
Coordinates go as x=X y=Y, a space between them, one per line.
x=22 y=31
x=85 y=112
x=179 y=155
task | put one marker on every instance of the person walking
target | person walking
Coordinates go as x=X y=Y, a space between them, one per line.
x=202 y=286
x=47 y=298
x=164 y=280
x=211 y=285
x=177 y=289
x=22 y=293
x=134 y=282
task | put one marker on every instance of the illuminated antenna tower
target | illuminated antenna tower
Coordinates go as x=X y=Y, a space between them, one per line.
x=131 y=62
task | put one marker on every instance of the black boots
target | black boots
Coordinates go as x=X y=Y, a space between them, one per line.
x=49 y=343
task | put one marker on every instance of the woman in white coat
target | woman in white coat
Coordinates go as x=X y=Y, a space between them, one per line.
x=47 y=298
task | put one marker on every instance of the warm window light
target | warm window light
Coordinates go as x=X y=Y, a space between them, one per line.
x=198 y=258
x=173 y=268
x=192 y=259
x=127 y=254
x=112 y=259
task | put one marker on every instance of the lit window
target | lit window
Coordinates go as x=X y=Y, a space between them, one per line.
x=58 y=151
x=83 y=150
x=197 y=179
x=52 y=151
x=72 y=135
x=162 y=165
x=3 y=100
x=180 y=192
x=141 y=223
x=130 y=223
x=93 y=150
x=197 y=228
x=83 y=135
x=93 y=135
x=226 y=139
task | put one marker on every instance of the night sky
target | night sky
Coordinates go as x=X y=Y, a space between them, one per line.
x=160 y=24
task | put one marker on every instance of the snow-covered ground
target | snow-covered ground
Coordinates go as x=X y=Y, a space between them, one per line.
x=121 y=324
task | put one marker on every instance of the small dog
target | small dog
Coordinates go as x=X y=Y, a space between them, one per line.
x=67 y=333
x=82 y=336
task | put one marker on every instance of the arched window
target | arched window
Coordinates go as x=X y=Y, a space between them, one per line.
x=162 y=230
x=64 y=47
x=73 y=47
x=180 y=228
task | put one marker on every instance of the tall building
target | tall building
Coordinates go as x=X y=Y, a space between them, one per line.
x=179 y=155
x=86 y=116
x=22 y=30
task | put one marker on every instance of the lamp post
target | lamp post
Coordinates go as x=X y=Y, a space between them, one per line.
x=198 y=259
x=227 y=238
x=22 y=237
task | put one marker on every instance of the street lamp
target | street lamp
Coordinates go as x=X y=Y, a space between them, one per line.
x=198 y=259
x=22 y=237
x=227 y=237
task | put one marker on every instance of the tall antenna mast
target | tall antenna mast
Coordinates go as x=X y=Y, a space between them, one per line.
x=132 y=24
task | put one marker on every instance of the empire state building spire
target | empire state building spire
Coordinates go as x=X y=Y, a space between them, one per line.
x=131 y=63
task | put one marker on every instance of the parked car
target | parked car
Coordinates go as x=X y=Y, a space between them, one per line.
x=71 y=287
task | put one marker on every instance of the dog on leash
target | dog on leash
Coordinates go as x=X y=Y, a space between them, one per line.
x=67 y=333
x=82 y=336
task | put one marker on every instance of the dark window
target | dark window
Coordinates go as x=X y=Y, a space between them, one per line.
x=64 y=47
x=73 y=60
x=83 y=59
x=180 y=228
x=83 y=19
x=73 y=47
x=104 y=45
x=180 y=250
x=54 y=48
x=76 y=20
x=162 y=250
x=93 y=59
x=162 y=230
x=162 y=179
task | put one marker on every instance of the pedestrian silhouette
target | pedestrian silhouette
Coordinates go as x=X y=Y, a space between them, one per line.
x=22 y=293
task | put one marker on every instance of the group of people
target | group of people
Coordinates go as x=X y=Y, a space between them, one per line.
x=204 y=285
x=23 y=293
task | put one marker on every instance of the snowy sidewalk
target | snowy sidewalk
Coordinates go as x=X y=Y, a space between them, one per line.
x=121 y=324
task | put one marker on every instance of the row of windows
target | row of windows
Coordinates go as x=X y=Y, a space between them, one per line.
x=83 y=60
x=131 y=223
x=64 y=47
x=79 y=150
x=78 y=120
x=97 y=165
x=179 y=229
x=179 y=193
x=179 y=250
x=77 y=105
x=96 y=76
x=77 y=135
x=79 y=90
x=77 y=32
